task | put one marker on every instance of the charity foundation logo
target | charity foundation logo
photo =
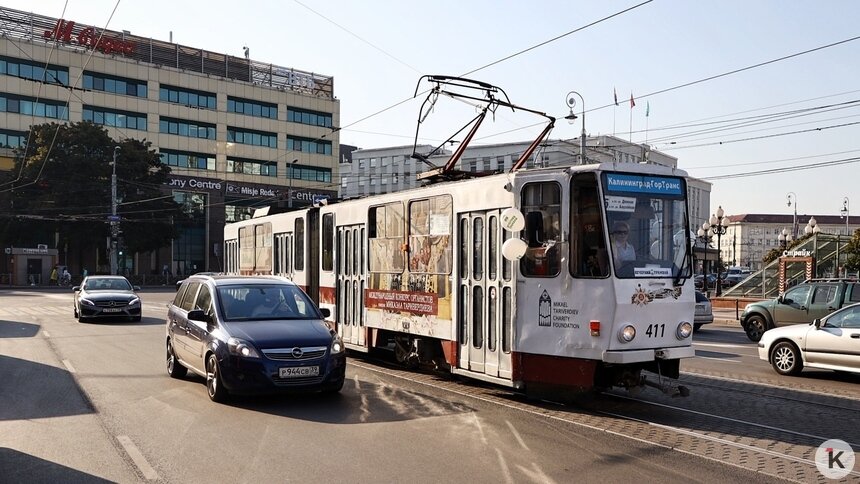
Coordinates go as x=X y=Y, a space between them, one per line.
x=834 y=459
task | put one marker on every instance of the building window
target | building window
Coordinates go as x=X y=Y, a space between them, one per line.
x=190 y=129
x=312 y=118
x=34 y=71
x=249 y=137
x=308 y=145
x=309 y=173
x=12 y=139
x=252 y=167
x=10 y=103
x=115 y=118
x=252 y=108
x=183 y=159
x=187 y=97
x=117 y=85
x=235 y=213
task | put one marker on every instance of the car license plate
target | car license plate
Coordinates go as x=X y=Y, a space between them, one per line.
x=111 y=310
x=298 y=371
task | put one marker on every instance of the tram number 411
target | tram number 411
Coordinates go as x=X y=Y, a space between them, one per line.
x=655 y=330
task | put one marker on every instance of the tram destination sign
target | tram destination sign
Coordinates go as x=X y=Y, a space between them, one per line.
x=657 y=185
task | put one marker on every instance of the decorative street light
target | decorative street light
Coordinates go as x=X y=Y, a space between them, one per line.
x=703 y=237
x=718 y=229
x=844 y=213
x=290 y=176
x=813 y=228
x=571 y=103
x=792 y=197
x=784 y=239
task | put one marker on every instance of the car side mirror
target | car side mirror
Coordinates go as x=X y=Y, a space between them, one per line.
x=780 y=299
x=137 y=288
x=816 y=323
x=326 y=312
x=76 y=288
x=198 y=315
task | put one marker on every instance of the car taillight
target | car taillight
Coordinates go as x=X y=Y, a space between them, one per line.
x=595 y=328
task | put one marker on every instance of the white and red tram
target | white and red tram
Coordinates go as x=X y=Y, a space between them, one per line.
x=545 y=280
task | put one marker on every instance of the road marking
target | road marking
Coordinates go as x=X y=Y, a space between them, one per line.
x=717 y=359
x=139 y=460
x=724 y=345
x=46 y=333
x=517 y=435
x=68 y=365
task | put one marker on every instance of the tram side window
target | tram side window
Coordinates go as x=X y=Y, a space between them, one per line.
x=299 y=259
x=327 y=242
x=263 y=246
x=541 y=203
x=430 y=235
x=247 y=253
x=588 y=254
x=386 y=232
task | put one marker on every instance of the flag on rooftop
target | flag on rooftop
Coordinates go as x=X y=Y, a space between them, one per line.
x=615 y=95
x=632 y=102
x=647 y=108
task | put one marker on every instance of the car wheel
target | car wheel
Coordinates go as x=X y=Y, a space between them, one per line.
x=174 y=367
x=214 y=386
x=697 y=326
x=755 y=327
x=785 y=359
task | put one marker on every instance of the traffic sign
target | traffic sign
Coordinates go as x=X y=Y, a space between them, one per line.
x=114 y=218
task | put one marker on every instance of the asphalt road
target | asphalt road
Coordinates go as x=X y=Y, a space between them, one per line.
x=92 y=402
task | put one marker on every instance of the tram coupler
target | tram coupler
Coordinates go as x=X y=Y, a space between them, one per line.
x=671 y=388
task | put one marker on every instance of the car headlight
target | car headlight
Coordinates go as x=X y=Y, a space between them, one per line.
x=684 y=331
x=87 y=302
x=241 y=348
x=134 y=302
x=337 y=345
x=627 y=334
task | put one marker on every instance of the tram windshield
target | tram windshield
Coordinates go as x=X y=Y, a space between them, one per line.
x=647 y=220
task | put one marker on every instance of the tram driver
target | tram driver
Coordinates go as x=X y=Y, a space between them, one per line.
x=622 y=250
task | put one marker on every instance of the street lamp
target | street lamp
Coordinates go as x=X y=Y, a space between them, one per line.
x=114 y=220
x=813 y=228
x=784 y=239
x=290 y=176
x=791 y=196
x=844 y=213
x=703 y=236
x=571 y=103
x=717 y=227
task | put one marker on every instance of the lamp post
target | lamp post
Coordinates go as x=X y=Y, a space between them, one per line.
x=813 y=228
x=717 y=227
x=844 y=213
x=114 y=220
x=784 y=239
x=792 y=197
x=571 y=103
x=703 y=236
x=290 y=176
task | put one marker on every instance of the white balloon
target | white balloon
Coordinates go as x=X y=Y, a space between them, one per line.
x=513 y=220
x=514 y=249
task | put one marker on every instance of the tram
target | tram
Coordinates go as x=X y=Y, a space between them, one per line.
x=549 y=280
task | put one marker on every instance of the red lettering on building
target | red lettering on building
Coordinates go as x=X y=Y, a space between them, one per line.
x=89 y=38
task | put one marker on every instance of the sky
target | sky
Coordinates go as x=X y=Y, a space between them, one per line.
x=730 y=87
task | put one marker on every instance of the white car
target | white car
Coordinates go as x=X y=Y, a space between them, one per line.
x=830 y=343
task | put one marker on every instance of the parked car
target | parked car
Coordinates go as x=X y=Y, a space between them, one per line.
x=252 y=334
x=830 y=343
x=106 y=297
x=704 y=311
x=802 y=303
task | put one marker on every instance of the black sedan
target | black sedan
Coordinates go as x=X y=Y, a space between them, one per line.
x=106 y=297
x=252 y=334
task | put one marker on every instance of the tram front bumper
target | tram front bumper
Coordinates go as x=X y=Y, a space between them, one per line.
x=639 y=356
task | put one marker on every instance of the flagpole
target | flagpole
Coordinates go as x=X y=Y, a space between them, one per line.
x=630 y=133
x=614 y=112
x=647 y=112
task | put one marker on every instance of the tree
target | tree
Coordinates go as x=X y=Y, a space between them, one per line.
x=64 y=188
x=852 y=249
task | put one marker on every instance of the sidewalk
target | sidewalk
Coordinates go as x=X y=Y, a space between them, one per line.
x=727 y=317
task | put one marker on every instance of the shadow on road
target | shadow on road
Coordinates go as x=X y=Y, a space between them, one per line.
x=30 y=390
x=19 y=467
x=17 y=329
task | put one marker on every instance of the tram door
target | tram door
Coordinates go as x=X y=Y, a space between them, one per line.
x=351 y=281
x=480 y=299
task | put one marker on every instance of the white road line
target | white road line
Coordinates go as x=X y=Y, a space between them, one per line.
x=724 y=345
x=138 y=458
x=504 y=466
x=517 y=435
x=718 y=359
x=68 y=365
x=46 y=333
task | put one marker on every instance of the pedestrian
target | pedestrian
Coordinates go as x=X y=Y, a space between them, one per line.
x=67 y=276
x=54 y=276
x=85 y=273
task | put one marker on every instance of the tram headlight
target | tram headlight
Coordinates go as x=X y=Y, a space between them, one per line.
x=627 y=334
x=684 y=331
